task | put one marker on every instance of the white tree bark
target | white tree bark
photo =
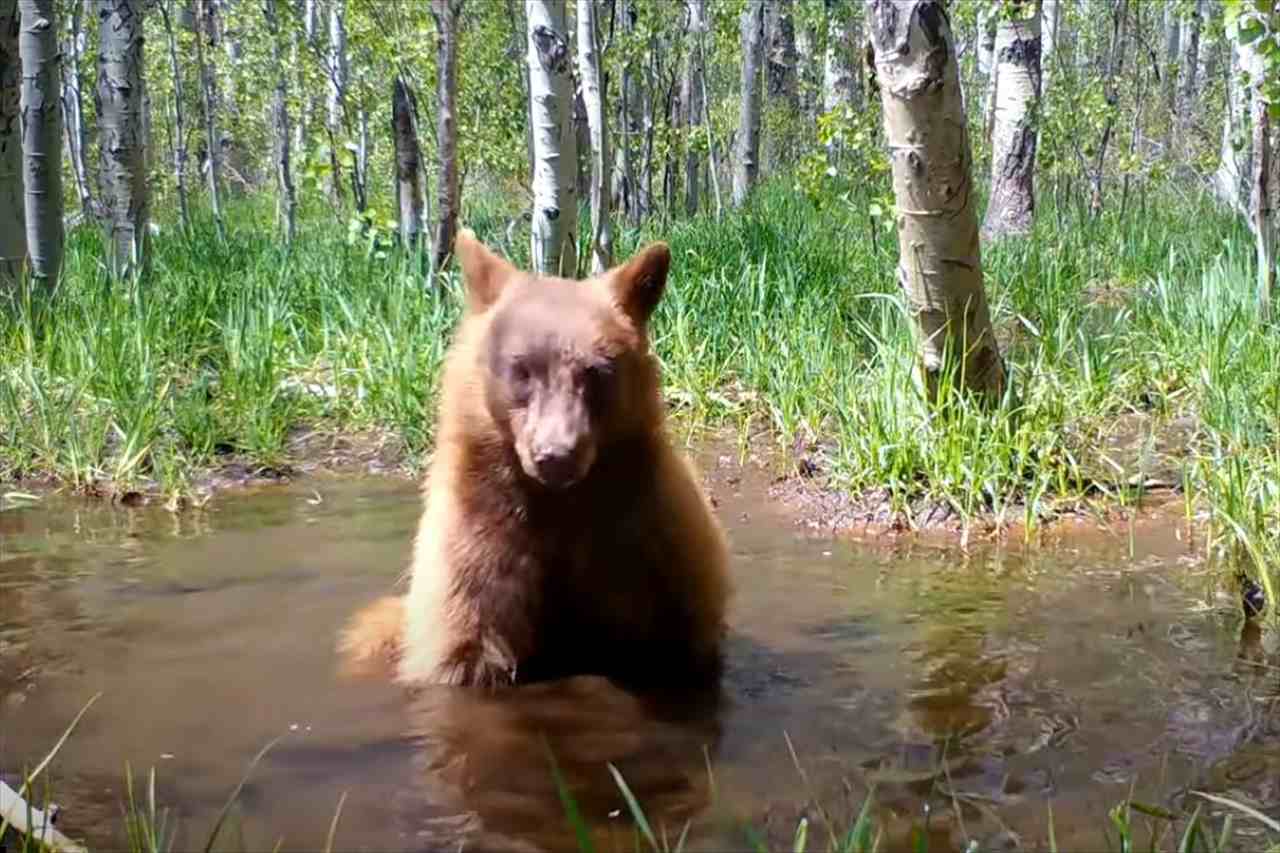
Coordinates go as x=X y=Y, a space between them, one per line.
x=180 y=157
x=13 y=229
x=713 y=170
x=209 y=102
x=1050 y=24
x=691 y=98
x=939 y=263
x=593 y=97
x=986 y=38
x=1189 y=64
x=286 y=197
x=1235 y=165
x=840 y=78
x=631 y=121
x=1011 y=209
x=309 y=102
x=73 y=105
x=339 y=73
x=447 y=14
x=746 y=168
x=121 y=141
x=1261 y=212
x=553 y=241
x=42 y=137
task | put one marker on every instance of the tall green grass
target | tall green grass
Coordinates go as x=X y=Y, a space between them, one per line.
x=782 y=317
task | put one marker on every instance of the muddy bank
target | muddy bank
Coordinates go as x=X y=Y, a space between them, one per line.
x=798 y=481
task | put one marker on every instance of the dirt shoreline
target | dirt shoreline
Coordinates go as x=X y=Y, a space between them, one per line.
x=797 y=480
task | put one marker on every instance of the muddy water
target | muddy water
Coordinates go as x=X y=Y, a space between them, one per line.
x=1068 y=673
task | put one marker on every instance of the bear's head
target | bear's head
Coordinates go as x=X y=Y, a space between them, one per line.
x=566 y=364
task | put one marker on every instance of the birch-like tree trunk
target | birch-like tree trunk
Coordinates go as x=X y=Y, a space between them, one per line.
x=1172 y=32
x=713 y=170
x=447 y=14
x=408 y=161
x=360 y=164
x=1235 y=165
x=13 y=229
x=1050 y=24
x=1172 y=52
x=987 y=15
x=209 y=103
x=1261 y=211
x=179 y=117
x=987 y=39
x=939 y=263
x=782 y=56
x=1111 y=91
x=339 y=74
x=631 y=119
x=42 y=136
x=1189 y=65
x=310 y=101
x=73 y=122
x=840 y=78
x=691 y=99
x=648 y=127
x=593 y=97
x=553 y=240
x=121 y=141
x=1011 y=209
x=286 y=198
x=809 y=68
x=746 y=168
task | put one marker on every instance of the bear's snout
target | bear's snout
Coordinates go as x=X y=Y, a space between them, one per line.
x=558 y=466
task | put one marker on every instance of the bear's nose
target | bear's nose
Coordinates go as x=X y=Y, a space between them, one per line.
x=557 y=467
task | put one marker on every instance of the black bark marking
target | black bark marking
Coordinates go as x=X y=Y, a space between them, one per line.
x=933 y=19
x=553 y=50
x=1021 y=52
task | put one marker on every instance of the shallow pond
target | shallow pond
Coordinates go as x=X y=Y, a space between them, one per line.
x=1061 y=674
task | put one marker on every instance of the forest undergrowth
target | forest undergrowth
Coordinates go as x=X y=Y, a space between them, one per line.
x=1135 y=351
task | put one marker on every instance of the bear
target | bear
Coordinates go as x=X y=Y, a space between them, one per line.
x=561 y=532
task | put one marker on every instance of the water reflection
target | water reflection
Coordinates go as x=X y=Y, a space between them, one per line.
x=977 y=687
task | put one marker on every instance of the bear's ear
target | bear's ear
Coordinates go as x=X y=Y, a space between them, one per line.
x=638 y=284
x=484 y=273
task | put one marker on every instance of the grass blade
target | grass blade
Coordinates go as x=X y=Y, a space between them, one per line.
x=572 y=814
x=226 y=808
x=1270 y=823
x=333 y=824
x=636 y=813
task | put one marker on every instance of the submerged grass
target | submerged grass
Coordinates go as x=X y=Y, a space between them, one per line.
x=1135 y=350
x=1128 y=826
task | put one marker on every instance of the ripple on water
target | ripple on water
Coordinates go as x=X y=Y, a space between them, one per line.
x=989 y=682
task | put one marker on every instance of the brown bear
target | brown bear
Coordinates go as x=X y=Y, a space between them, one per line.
x=561 y=533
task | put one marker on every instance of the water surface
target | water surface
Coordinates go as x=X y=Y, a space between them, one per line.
x=1066 y=673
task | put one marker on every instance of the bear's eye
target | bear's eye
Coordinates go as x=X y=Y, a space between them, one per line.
x=596 y=381
x=519 y=380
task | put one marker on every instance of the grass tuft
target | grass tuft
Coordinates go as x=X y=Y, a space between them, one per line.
x=1136 y=355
